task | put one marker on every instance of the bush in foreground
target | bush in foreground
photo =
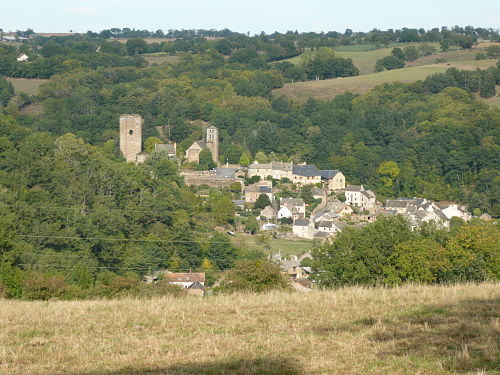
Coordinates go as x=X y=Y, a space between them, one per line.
x=253 y=276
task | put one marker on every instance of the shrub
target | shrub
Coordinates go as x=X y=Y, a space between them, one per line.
x=40 y=286
x=286 y=220
x=253 y=276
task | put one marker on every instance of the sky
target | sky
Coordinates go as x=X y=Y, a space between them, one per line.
x=246 y=16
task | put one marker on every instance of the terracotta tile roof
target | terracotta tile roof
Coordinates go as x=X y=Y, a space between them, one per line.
x=185 y=277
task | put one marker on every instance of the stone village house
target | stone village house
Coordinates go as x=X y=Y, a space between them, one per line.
x=359 y=197
x=252 y=192
x=292 y=208
x=301 y=174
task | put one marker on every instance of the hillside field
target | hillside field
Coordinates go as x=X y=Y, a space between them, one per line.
x=28 y=85
x=408 y=330
x=286 y=247
x=364 y=57
x=329 y=88
x=160 y=58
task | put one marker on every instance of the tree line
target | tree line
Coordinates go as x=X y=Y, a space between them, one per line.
x=389 y=252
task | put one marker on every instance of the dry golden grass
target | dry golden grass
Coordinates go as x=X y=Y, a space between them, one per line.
x=365 y=59
x=329 y=88
x=408 y=330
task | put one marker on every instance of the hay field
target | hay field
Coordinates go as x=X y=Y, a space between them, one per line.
x=409 y=330
x=329 y=88
x=160 y=58
x=364 y=57
x=28 y=85
x=364 y=60
x=453 y=57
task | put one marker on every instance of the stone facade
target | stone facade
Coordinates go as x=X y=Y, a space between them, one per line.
x=213 y=143
x=131 y=136
x=193 y=152
x=208 y=178
x=333 y=179
x=253 y=192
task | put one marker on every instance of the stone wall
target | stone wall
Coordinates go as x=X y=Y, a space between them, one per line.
x=209 y=179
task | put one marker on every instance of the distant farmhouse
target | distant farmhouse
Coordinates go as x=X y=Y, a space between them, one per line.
x=292 y=208
x=22 y=57
x=170 y=149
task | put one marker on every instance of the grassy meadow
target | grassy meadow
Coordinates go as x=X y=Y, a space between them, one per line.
x=329 y=88
x=287 y=247
x=407 y=330
x=160 y=58
x=365 y=60
x=364 y=57
x=30 y=86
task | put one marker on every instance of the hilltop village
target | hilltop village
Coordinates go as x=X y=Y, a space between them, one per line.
x=280 y=200
x=290 y=200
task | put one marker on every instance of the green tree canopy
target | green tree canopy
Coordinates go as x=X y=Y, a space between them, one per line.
x=244 y=160
x=262 y=201
x=206 y=161
x=254 y=276
x=150 y=142
x=221 y=251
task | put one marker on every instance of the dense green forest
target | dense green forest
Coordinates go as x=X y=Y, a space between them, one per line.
x=69 y=201
x=444 y=142
x=66 y=205
x=388 y=252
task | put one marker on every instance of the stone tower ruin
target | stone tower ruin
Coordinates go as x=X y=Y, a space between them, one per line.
x=130 y=136
x=213 y=143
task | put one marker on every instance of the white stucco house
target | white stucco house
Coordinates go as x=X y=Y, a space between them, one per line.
x=359 y=197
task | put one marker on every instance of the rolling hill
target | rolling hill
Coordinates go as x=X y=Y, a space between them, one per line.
x=327 y=89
